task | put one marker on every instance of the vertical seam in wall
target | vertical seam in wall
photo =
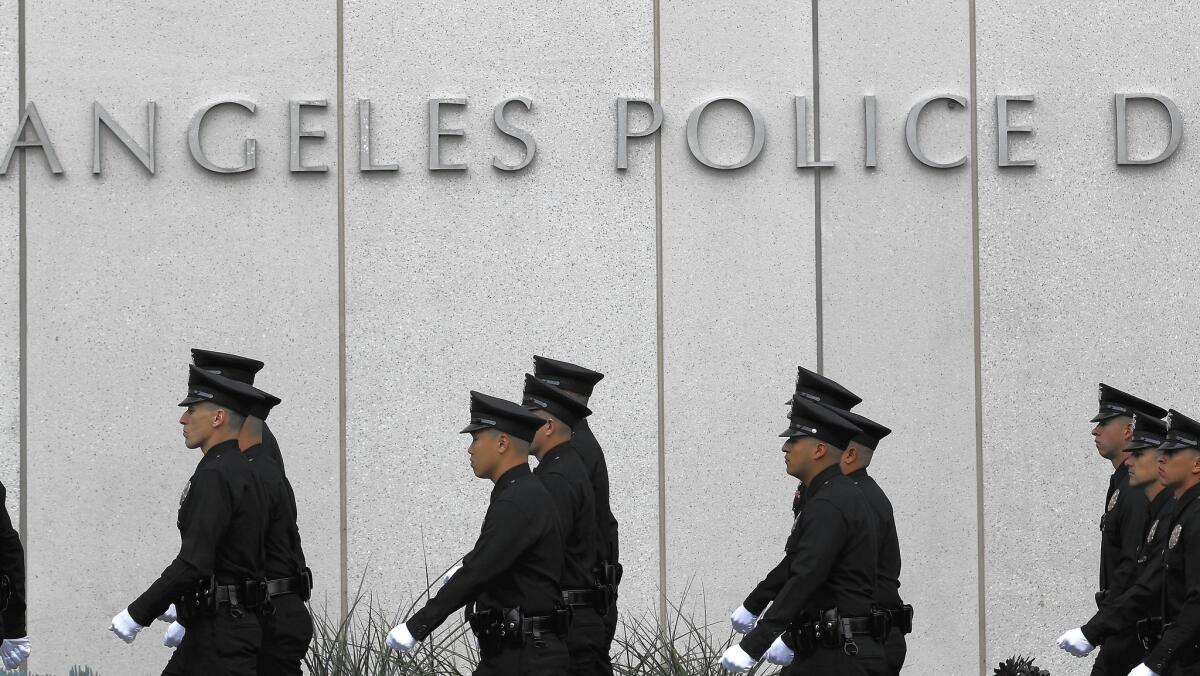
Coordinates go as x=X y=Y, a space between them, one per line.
x=343 y=544
x=22 y=292
x=980 y=540
x=818 y=272
x=658 y=265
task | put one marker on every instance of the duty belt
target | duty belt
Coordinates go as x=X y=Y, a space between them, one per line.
x=580 y=598
x=249 y=595
x=510 y=627
x=300 y=584
x=899 y=618
x=831 y=630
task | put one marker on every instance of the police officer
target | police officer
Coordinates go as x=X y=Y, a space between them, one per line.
x=1139 y=604
x=581 y=382
x=215 y=581
x=1124 y=522
x=564 y=476
x=1179 y=466
x=816 y=388
x=243 y=370
x=510 y=580
x=831 y=581
x=15 y=648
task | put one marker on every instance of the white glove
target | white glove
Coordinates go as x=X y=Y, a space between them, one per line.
x=1075 y=643
x=174 y=635
x=170 y=616
x=450 y=573
x=401 y=640
x=1142 y=670
x=743 y=620
x=779 y=653
x=736 y=660
x=124 y=626
x=15 y=652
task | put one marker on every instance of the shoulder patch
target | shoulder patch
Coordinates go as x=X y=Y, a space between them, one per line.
x=1112 y=502
x=1175 y=532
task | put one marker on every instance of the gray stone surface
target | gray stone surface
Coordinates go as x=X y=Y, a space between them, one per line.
x=1086 y=276
x=738 y=286
x=127 y=272
x=896 y=254
x=455 y=279
x=10 y=440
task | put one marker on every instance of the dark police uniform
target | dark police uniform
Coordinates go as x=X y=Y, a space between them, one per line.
x=564 y=476
x=12 y=576
x=831 y=580
x=1122 y=527
x=582 y=381
x=213 y=579
x=1178 y=652
x=511 y=577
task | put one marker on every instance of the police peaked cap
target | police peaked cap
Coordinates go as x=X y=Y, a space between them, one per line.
x=814 y=420
x=1114 y=402
x=566 y=376
x=1182 y=432
x=1148 y=432
x=207 y=387
x=542 y=396
x=813 y=386
x=872 y=432
x=489 y=412
x=241 y=369
x=263 y=407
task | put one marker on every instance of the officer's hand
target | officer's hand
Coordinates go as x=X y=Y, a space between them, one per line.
x=124 y=626
x=401 y=640
x=450 y=573
x=174 y=635
x=1142 y=670
x=736 y=660
x=170 y=616
x=1075 y=643
x=15 y=652
x=743 y=620
x=779 y=653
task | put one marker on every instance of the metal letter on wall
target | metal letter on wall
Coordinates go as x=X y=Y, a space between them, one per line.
x=1003 y=129
x=40 y=139
x=870 y=125
x=623 y=133
x=914 y=119
x=436 y=132
x=298 y=133
x=1176 y=122
x=756 y=144
x=521 y=135
x=364 y=140
x=250 y=147
x=144 y=155
x=802 y=161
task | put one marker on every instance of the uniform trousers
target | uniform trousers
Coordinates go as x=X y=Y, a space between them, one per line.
x=218 y=644
x=545 y=657
x=896 y=649
x=1119 y=655
x=870 y=661
x=286 y=633
x=587 y=643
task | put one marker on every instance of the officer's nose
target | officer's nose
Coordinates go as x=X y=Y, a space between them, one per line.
x=1096 y=430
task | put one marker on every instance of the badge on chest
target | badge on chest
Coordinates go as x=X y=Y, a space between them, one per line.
x=1153 y=530
x=1175 y=533
x=1112 y=502
x=183 y=496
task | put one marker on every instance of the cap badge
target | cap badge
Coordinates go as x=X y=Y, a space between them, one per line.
x=485 y=421
x=202 y=393
x=811 y=396
x=1112 y=502
x=539 y=402
x=1153 y=530
x=1175 y=536
x=552 y=382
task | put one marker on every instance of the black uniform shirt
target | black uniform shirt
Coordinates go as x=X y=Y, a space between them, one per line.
x=1181 y=586
x=1121 y=527
x=593 y=460
x=834 y=563
x=271 y=447
x=766 y=590
x=284 y=557
x=12 y=564
x=222 y=520
x=1141 y=600
x=887 y=582
x=516 y=562
x=565 y=478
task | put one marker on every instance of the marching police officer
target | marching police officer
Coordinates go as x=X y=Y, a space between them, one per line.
x=215 y=581
x=510 y=580
x=243 y=370
x=15 y=648
x=1124 y=522
x=581 y=382
x=1138 y=606
x=821 y=618
x=564 y=476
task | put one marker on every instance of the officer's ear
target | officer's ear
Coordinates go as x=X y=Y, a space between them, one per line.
x=850 y=455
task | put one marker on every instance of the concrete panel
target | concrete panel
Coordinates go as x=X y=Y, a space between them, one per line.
x=896 y=245
x=739 y=296
x=10 y=352
x=1086 y=276
x=127 y=271
x=455 y=279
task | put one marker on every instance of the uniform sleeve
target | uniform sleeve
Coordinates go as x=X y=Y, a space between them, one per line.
x=12 y=563
x=604 y=515
x=821 y=536
x=566 y=506
x=505 y=536
x=203 y=520
x=1134 y=515
x=1121 y=614
x=1185 y=628
x=766 y=590
x=293 y=525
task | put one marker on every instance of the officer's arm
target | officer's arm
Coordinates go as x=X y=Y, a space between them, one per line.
x=766 y=590
x=1185 y=628
x=1134 y=514
x=1121 y=614
x=204 y=519
x=12 y=563
x=506 y=534
x=604 y=515
x=293 y=525
x=822 y=532
x=565 y=505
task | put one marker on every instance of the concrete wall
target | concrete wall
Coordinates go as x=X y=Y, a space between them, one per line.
x=974 y=308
